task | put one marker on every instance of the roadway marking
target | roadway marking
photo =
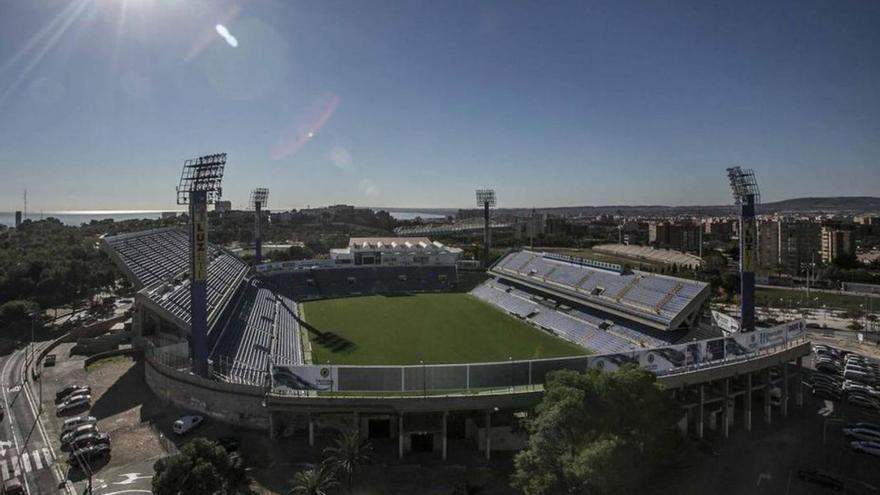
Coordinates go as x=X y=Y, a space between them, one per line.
x=22 y=463
x=131 y=478
x=15 y=389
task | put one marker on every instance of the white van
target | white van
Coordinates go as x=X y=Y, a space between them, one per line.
x=186 y=424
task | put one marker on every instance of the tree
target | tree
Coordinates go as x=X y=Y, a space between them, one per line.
x=349 y=453
x=202 y=467
x=598 y=433
x=316 y=481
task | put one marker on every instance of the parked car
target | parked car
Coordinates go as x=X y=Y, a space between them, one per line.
x=50 y=360
x=862 y=434
x=13 y=486
x=868 y=447
x=84 y=401
x=831 y=380
x=66 y=391
x=88 y=454
x=858 y=376
x=94 y=438
x=187 y=423
x=827 y=367
x=822 y=478
x=71 y=423
x=868 y=426
x=80 y=430
x=863 y=401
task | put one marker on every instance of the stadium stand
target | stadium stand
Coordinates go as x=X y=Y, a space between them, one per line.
x=319 y=281
x=152 y=256
x=262 y=328
x=662 y=302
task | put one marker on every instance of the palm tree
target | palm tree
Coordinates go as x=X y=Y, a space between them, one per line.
x=349 y=453
x=316 y=481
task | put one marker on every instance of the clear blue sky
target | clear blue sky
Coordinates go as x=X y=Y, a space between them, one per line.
x=418 y=103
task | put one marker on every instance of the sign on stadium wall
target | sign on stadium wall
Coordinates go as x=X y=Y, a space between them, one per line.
x=304 y=377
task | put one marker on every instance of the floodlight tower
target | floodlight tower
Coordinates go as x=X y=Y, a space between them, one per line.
x=746 y=194
x=486 y=199
x=259 y=199
x=199 y=186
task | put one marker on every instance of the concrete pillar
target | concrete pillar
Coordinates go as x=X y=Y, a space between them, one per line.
x=488 y=435
x=784 y=390
x=400 y=436
x=799 y=388
x=443 y=446
x=747 y=415
x=725 y=411
x=356 y=418
x=701 y=420
x=311 y=431
x=768 y=413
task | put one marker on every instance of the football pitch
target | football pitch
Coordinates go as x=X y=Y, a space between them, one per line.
x=429 y=328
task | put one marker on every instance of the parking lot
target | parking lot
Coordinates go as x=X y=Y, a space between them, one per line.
x=768 y=459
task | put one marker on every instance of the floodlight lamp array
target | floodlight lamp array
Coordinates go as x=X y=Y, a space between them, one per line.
x=259 y=195
x=743 y=183
x=486 y=197
x=202 y=174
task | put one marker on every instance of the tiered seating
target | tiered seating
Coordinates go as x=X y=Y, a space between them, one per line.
x=287 y=347
x=224 y=272
x=241 y=354
x=579 y=328
x=511 y=303
x=153 y=255
x=651 y=297
x=322 y=281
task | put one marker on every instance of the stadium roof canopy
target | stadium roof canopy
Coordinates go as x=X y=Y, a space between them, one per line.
x=658 y=301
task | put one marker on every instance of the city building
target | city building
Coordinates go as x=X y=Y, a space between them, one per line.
x=17 y=218
x=391 y=251
x=768 y=245
x=800 y=243
x=836 y=242
x=680 y=237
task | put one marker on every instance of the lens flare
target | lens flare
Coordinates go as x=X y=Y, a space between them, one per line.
x=295 y=137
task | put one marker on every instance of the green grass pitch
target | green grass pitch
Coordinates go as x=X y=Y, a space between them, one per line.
x=434 y=328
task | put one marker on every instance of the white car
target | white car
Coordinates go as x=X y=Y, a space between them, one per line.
x=868 y=447
x=863 y=434
x=186 y=424
x=71 y=424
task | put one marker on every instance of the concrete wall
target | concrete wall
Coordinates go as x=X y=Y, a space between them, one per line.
x=236 y=404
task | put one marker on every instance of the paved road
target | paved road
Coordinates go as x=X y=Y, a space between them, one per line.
x=25 y=451
x=132 y=478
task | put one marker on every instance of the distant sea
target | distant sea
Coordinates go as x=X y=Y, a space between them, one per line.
x=80 y=217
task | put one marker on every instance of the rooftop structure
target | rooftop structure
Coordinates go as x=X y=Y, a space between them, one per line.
x=395 y=251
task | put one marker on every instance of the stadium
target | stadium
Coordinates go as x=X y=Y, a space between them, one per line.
x=389 y=337
x=384 y=328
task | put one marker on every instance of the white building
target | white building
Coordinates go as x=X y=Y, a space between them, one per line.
x=395 y=251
